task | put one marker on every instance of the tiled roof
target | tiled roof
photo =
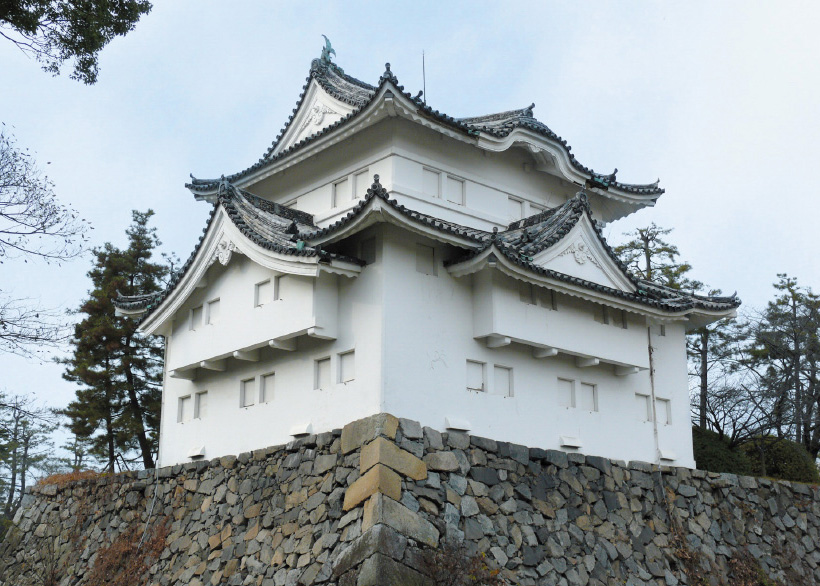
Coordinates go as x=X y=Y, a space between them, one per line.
x=266 y=224
x=360 y=94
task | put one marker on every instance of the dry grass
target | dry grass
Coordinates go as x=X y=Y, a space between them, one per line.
x=68 y=477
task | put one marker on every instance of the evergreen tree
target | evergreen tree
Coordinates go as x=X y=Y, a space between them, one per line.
x=649 y=256
x=119 y=370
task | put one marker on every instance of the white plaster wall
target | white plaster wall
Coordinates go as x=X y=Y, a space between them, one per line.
x=227 y=428
x=429 y=338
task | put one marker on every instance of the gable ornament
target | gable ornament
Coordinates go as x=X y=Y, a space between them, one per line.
x=223 y=252
x=316 y=115
x=581 y=252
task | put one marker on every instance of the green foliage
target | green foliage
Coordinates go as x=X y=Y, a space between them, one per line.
x=715 y=454
x=118 y=370
x=651 y=257
x=56 y=31
x=780 y=458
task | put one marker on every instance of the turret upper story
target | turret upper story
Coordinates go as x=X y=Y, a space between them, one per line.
x=483 y=171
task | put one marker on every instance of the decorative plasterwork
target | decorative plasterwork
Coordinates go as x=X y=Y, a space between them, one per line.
x=581 y=252
x=223 y=252
x=318 y=111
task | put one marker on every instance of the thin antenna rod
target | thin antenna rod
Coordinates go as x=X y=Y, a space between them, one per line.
x=423 y=79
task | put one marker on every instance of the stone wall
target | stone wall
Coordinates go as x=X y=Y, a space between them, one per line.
x=359 y=507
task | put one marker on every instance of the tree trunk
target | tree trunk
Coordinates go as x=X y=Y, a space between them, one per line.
x=136 y=409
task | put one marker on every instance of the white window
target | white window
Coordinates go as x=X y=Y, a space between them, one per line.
x=475 y=376
x=367 y=250
x=526 y=293
x=547 y=298
x=663 y=409
x=431 y=182
x=212 y=312
x=184 y=411
x=347 y=367
x=454 y=190
x=502 y=381
x=362 y=182
x=266 y=390
x=515 y=209
x=247 y=392
x=566 y=392
x=322 y=373
x=195 y=318
x=588 y=397
x=643 y=407
x=201 y=405
x=341 y=192
x=263 y=293
x=425 y=259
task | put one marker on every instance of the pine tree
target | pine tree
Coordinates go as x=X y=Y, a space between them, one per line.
x=651 y=257
x=119 y=370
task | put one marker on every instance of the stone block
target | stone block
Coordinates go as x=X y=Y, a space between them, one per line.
x=379 y=479
x=411 y=429
x=382 y=509
x=380 y=570
x=358 y=433
x=323 y=463
x=379 y=539
x=444 y=461
x=382 y=451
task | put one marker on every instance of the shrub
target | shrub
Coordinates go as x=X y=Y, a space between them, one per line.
x=713 y=453
x=781 y=458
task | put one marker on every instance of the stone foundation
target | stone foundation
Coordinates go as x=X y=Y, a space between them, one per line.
x=359 y=506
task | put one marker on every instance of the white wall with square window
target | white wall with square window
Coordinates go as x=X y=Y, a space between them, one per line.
x=347 y=367
x=502 y=381
x=454 y=190
x=212 y=311
x=263 y=293
x=247 y=392
x=267 y=385
x=566 y=392
x=195 y=318
x=184 y=409
x=321 y=375
x=588 y=397
x=643 y=407
x=431 y=182
x=361 y=181
x=341 y=192
x=475 y=376
x=425 y=259
x=201 y=405
x=663 y=410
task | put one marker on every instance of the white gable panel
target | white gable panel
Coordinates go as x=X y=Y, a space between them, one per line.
x=581 y=254
x=317 y=111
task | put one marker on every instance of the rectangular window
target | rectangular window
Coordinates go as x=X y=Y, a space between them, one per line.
x=663 y=409
x=247 y=392
x=367 y=250
x=347 y=367
x=643 y=406
x=622 y=320
x=322 y=374
x=362 y=181
x=475 y=376
x=201 y=405
x=604 y=315
x=503 y=381
x=425 y=259
x=566 y=392
x=662 y=330
x=184 y=411
x=515 y=209
x=526 y=293
x=588 y=397
x=430 y=182
x=454 y=190
x=547 y=298
x=266 y=392
x=263 y=293
x=341 y=192
x=196 y=318
x=212 y=312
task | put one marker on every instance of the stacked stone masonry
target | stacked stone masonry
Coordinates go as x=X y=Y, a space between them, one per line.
x=359 y=506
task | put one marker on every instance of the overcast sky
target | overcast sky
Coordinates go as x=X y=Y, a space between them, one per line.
x=718 y=99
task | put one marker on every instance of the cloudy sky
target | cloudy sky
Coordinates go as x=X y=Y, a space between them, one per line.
x=718 y=99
